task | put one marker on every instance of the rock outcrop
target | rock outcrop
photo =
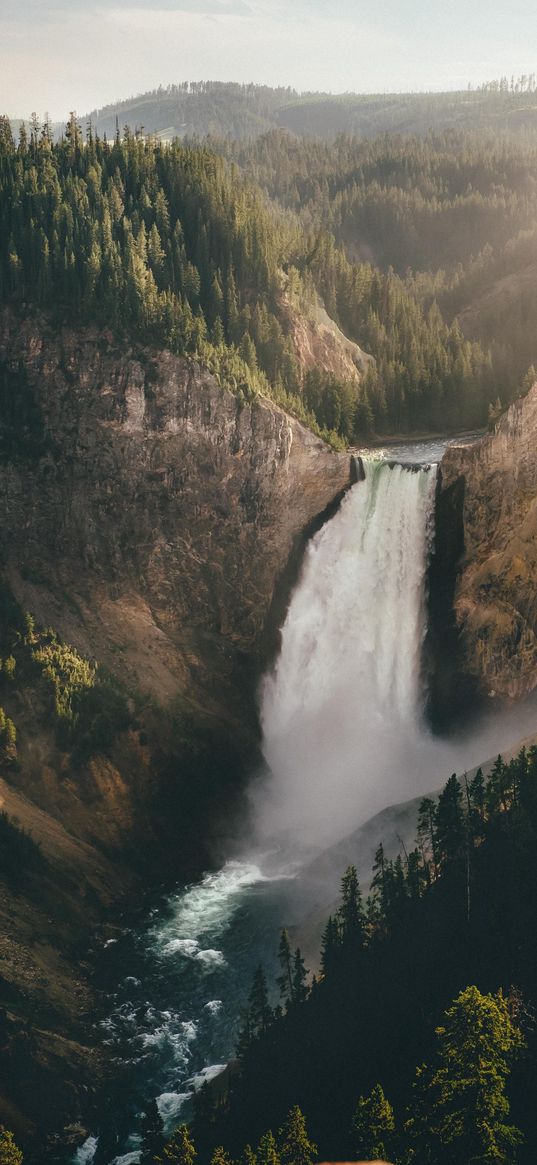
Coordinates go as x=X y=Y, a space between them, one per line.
x=492 y=484
x=155 y=522
x=149 y=516
x=165 y=507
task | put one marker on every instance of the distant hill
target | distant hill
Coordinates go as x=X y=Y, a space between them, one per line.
x=217 y=108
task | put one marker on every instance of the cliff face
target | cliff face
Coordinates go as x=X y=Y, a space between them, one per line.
x=495 y=597
x=153 y=514
x=154 y=521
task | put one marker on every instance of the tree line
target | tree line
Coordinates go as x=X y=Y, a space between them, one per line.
x=172 y=245
x=447 y=929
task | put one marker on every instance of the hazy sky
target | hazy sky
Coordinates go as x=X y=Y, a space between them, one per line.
x=57 y=55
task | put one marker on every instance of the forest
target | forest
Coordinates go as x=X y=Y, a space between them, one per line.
x=176 y=245
x=416 y=1040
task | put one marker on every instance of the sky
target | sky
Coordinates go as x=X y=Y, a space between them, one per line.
x=59 y=55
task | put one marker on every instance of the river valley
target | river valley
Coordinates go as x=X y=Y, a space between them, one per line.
x=345 y=737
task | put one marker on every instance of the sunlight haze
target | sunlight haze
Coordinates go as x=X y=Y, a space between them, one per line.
x=69 y=55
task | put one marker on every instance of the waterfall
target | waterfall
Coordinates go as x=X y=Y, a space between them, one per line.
x=342 y=709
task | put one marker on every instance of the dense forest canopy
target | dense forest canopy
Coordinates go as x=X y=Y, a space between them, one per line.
x=458 y=909
x=174 y=245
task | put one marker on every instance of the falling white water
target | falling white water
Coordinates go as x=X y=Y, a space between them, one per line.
x=342 y=709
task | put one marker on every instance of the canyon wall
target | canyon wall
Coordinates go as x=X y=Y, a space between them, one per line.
x=154 y=521
x=149 y=516
x=487 y=535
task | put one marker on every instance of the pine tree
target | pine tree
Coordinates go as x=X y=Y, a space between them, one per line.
x=220 y=1157
x=285 y=980
x=460 y=1106
x=267 y=1150
x=10 y=1154
x=258 y=1004
x=179 y=1150
x=330 y=945
x=294 y=1145
x=427 y=834
x=450 y=832
x=351 y=917
x=300 y=974
x=373 y=1127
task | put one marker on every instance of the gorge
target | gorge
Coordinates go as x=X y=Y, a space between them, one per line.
x=180 y=595
x=344 y=734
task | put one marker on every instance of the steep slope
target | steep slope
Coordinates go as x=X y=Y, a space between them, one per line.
x=493 y=484
x=153 y=521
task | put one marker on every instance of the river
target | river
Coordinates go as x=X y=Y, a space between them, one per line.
x=344 y=736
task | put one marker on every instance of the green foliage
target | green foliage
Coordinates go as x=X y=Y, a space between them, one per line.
x=460 y=908
x=9 y=1153
x=66 y=672
x=220 y=1157
x=89 y=706
x=173 y=245
x=294 y=1145
x=461 y=1108
x=267 y=1150
x=179 y=1150
x=373 y=1127
x=7 y=666
x=8 y=737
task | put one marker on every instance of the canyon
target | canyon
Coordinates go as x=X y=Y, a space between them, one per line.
x=157 y=523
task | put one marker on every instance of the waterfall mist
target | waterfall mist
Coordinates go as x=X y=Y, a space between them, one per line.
x=342 y=711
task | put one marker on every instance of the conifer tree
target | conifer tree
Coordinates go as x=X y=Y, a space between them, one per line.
x=220 y=1157
x=179 y=1150
x=330 y=944
x=295 y=1147
x=258 y=1004
x=450 y=832
x=285 y=979
x=10 y=1154
x=373 y=1127
x=351 y=918
x=267 y=1150
x=460 y=1107
x=300 y=974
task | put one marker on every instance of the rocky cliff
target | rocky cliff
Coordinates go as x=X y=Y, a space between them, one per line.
x=488 y=513
x=154 y=521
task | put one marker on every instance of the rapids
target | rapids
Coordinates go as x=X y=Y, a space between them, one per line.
x=344 y=736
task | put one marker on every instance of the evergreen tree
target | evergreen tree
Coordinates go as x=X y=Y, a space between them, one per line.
x=351 y=917
x=220 y=1157
x=9 y=1153
x=373 y=1127
x=179 y=1150
x=267 y=1150
x=460 y=1110
x=258 y=1004
x=300 y=974
x=295 y=1147
x=330 y=945
x=285 y=979
x=450 y=832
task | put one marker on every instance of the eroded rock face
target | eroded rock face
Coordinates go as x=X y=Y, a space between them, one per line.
x=496 y=590
x=159 y=504
x=149 y=518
